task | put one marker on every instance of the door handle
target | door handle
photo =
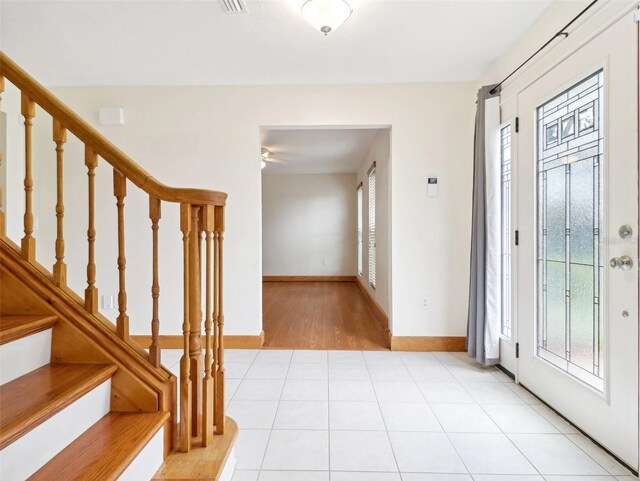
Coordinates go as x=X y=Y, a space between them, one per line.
x=624 y=263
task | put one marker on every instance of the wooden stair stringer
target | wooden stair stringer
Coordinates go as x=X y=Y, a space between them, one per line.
x=84 y=338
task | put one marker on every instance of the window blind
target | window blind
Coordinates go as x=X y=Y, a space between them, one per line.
x=372 y=225
x=360 y=206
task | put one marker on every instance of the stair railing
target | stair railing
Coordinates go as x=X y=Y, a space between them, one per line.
x=201 y=218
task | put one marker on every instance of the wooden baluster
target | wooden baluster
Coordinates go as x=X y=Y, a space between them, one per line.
x=195 y=312
x=91 y=292
x=2 y=217
x=216 y=325
x=218 y=301
x=207 y=383
x=185 y=362
x=154 y=348
x=28 y=110
x=59 y=268
x=120 y=191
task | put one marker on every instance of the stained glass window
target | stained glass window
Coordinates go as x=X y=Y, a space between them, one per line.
x=570 y=331
x=505 y=227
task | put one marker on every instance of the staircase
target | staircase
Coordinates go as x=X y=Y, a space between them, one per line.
x=79 y=399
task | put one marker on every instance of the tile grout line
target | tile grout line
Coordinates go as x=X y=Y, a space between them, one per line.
x=375 y=393
x=565 y=435
x=328 y=418
x=426 y=401
x=448 y=368
x=274 y=416
x=589 y=455
x=441 y=426
x=501 y=431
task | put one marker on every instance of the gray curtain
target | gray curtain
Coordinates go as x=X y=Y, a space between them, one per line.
x=477 y=283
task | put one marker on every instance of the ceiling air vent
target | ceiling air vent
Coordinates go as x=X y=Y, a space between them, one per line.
x=234 y=6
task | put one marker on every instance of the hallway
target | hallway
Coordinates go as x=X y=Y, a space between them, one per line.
x=320 y=315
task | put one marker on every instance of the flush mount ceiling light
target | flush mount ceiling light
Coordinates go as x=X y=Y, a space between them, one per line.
x=326 y=15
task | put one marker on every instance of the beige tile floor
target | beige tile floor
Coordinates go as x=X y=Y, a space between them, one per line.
x=387 y=416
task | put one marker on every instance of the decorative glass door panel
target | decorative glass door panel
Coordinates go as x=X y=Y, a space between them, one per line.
x=569 y=247
x=576 y=183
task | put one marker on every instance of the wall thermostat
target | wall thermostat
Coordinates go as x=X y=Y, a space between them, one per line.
x=432 y=187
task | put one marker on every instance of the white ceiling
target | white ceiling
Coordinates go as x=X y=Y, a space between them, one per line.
x=317 y=150
x=194 y=43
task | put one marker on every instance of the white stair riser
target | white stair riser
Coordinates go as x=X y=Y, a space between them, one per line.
x=29 y=453
x=19 y=357
x=147 y=462
x=229 y=467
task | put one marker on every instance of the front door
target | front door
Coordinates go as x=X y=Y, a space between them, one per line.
x=578 y=225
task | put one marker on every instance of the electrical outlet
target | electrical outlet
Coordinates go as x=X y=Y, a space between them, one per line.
x=324 y=262
x=424 y=304
x=108 y=302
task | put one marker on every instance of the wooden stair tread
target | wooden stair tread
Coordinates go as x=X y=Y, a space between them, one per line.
x=104 y=450
x=200 y=464
x=33 y=398
x=16 y=326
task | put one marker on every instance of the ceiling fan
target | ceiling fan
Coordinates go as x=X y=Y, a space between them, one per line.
x=268 y=157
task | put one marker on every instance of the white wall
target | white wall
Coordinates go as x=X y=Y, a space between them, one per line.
x=309 y=225
x=13 y=163
x=209 y=137
x=380 y=154
x=3 y=156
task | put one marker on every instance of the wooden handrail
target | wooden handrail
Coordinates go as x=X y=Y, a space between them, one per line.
x=201 y=213
x=100 y=145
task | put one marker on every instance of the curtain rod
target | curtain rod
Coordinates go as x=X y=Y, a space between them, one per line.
x=561 y=33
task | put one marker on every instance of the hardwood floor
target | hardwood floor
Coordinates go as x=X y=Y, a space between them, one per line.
x=319 y=315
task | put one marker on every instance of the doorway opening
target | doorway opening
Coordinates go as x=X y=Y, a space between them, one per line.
x=326 y=237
